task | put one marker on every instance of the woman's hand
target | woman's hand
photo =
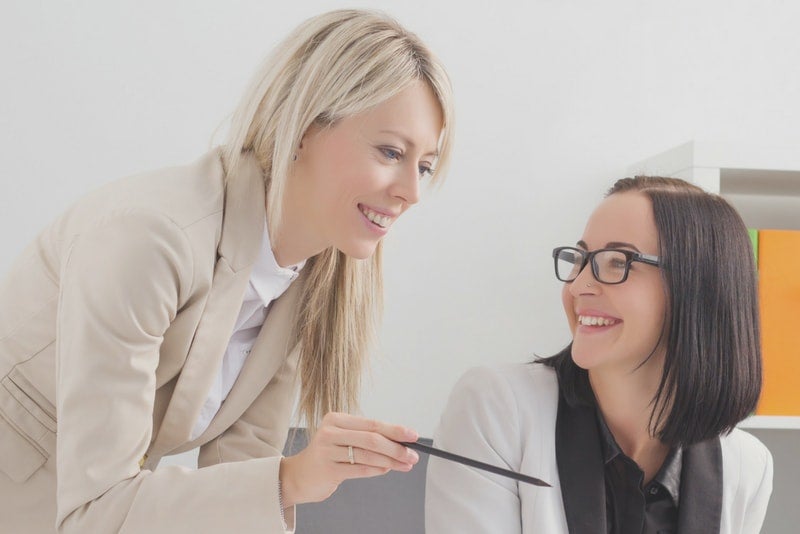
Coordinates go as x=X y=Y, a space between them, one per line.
x=314 y=474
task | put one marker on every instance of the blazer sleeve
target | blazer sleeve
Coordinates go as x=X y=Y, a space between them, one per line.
x=122 y=283
x=747 y=482
x=757 y=506
x=480 y=421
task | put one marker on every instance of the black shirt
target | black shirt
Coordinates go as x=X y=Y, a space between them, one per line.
x=631 y=508
x=588 y=489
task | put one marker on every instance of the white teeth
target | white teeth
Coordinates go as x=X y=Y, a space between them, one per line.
x=381 y=220
x=587 y=320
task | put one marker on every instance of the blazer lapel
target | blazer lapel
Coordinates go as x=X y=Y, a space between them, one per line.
x=700 y=507
x=269 y=352
x=580 y=468
x=240 y=237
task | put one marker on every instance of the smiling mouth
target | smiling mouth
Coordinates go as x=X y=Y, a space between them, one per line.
x=589 y=320
x=376 y=218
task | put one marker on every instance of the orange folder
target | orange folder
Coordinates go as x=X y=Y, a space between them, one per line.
x=779 y=297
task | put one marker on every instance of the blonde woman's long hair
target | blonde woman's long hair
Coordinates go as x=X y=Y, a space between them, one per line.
x=332 y=66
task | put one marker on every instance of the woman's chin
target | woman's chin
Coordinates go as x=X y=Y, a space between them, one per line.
x=359 y=251
x=583 y=358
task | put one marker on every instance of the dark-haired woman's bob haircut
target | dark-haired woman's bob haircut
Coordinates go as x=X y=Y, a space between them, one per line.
x=712 y=369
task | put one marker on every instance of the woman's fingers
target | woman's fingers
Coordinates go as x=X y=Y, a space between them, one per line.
x=353 y=422
x=369 y=458
x=375 y=449
x=343 y=447
x=375 y=442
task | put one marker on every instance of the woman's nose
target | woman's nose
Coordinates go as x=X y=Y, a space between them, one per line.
x=406 y=185
x=585 y=280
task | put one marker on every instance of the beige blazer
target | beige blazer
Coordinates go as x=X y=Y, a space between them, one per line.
x=113 y=324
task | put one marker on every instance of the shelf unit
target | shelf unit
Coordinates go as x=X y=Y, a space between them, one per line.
x=790 y=422
x=762 y=183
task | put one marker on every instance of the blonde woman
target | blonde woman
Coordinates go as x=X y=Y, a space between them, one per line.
x=187 y=307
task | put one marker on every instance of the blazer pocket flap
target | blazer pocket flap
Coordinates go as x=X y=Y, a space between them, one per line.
x=19 y=459
x=24 y=414
x=27 y=433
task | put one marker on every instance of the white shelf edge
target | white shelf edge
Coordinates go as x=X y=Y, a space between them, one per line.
x=745 y=156
x=694 y=154
x=781 y=422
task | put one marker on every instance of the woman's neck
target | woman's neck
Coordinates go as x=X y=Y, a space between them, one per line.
x=288 y=251
x=294 y=241
x=626 y=402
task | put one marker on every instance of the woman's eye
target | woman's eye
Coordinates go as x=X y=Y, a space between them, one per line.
x=391 y=153
x=425 y=170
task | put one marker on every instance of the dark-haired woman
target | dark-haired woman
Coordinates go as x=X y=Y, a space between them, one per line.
x=634 y=423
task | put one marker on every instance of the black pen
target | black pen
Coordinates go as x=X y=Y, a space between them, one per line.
x=473 y=463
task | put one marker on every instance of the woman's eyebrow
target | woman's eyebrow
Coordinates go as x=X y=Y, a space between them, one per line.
x=621 y=244
x=611 y=244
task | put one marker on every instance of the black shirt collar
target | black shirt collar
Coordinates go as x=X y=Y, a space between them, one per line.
x=669 y=476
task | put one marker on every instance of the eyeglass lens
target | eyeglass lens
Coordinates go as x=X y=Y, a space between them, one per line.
x=608 y=266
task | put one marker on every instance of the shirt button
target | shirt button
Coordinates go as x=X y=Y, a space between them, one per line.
x=653 y=490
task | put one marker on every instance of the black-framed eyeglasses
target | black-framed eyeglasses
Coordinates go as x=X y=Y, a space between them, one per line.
x=609 y=265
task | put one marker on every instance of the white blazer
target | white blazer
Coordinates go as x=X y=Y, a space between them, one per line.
x=506 y=416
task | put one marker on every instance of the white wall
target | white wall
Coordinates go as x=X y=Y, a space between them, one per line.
x=554 y=98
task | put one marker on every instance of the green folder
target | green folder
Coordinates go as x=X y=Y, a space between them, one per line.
x=754 y=240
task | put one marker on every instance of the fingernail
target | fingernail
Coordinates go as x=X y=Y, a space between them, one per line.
x=412 y=435
x=414 y=455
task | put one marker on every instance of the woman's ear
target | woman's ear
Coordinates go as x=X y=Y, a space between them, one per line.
x=299 y=148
